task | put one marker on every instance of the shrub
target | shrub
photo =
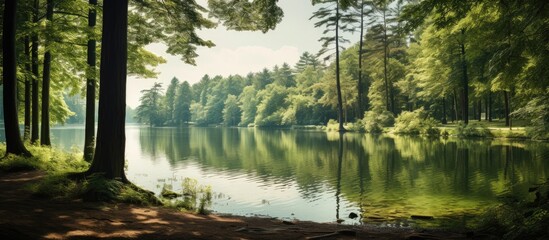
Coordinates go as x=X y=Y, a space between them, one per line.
x=375 y=121
x=193 y=197
x=355 y=127
x=472 y=130
x=416 y=122
x=332 y=126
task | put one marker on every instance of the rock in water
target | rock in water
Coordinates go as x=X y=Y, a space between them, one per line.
x=353 y=215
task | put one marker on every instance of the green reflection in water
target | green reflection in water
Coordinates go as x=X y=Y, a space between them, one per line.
x=382 y=177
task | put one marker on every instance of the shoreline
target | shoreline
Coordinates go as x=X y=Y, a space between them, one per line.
x=26 y=217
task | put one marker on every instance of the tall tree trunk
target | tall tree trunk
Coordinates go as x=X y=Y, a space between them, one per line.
x=444 y=120
x=35 y=72
x=456 y=113
x=464 y=82
x=486 y=111
x=89 y=139
x=490 y=107
x=479 y=109
x=45 y=123
x=338 y=85
x=506 y=99
x=26 y=132
x=385 y=58
x=111 y=140
x=360 y=47
x=14 y=144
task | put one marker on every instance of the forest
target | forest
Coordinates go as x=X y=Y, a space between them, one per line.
x=445 y=68
x=414 y=67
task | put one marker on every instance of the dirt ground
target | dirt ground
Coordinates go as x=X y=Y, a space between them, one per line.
x=25 y=217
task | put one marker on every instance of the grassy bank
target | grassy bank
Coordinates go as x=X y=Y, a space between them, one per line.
x=64 y=181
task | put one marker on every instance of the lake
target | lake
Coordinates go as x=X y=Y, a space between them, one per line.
x=322 y=177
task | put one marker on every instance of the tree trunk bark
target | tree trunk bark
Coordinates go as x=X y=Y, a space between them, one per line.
x=35 y=72
x=490 y=108
x=444 y=120
x=338 y=85
x=360 y=46
x=26 y=132
x=456 y=113
x=464 y=82
x=45 y=123
x=89 y=139
x=479 y=109
x=14 y=145
x=385 y=59
x=110 y=147
x=486 y=111
x=506 y=99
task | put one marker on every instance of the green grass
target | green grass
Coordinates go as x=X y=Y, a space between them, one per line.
x=494 y=129
x=47 y=159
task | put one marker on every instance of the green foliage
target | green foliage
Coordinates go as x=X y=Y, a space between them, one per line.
x=471 y=130
x=57 y=186
x=14 y=163
x=272 y=105
x=150 y=109
x=537 y=112
x=307 y=60
x=283 y=76
x=248 y=105
x=93 y=188
x=243 y=15
x=515 y=219
x=44 y=158
x=98 y=188
x=231 y=112
x=375 y=121
x=170 y=101
x=183 y=101
x=416 y=122
x=195 y=197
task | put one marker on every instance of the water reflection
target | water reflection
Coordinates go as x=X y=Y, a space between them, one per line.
x=308 y=175
x=382 y=177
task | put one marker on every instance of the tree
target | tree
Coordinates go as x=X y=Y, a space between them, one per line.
x=306 y=59
x=183 y=100
x=150 y=106
x=28 y=81
x=35 y=73
x=110 y=148
x=248 y=105
x=89 y=138
x=283 y=76
x=330 y=18
x=363 y=13
x=170 y=100
x=231 y=112
x=14 y=144
x=272 y=105
x=45 y=123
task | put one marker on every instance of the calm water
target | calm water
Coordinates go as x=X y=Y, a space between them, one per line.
x=318 y=176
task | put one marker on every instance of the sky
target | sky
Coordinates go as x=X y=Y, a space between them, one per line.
x=238 y=52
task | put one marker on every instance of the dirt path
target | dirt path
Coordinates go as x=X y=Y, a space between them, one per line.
x=24 y=217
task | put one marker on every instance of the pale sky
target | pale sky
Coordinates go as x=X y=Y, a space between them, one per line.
x=239 y=52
